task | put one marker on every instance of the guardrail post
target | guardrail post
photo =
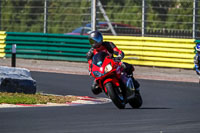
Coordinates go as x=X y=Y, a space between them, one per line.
x=195 y=11
x=143 y=17
x=14 y=55
x=45 y=16
x=93 y=16
x=0 y=15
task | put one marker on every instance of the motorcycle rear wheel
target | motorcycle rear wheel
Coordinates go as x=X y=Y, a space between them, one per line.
x=116 y=96
x=136 y=101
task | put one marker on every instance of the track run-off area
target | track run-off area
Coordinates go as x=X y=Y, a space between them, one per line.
x=168 y=107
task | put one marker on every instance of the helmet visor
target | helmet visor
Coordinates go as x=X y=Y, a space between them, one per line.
x=94 y=44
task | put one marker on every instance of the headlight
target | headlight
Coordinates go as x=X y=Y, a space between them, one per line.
x=97 y=74
x=108 y=68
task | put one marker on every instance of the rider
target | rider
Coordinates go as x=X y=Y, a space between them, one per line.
x=197 y=59
x=97 y=43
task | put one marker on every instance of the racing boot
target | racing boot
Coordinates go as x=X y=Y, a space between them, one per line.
x=95 y=88
x=136 y=85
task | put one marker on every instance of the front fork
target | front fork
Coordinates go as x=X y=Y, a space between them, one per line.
x=116 y=83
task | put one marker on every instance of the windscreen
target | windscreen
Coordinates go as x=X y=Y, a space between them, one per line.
x=99 y=58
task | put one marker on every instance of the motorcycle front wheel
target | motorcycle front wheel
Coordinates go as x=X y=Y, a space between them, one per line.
x=115 y=95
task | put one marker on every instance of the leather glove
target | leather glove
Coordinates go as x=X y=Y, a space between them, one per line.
x=117 y=59
x=90 y=53
x=90 y=73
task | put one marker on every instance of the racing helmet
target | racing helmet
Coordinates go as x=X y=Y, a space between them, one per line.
x=197 y=47
x=95 y=39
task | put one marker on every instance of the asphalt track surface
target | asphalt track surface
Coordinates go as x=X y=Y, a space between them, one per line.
x=169 y=107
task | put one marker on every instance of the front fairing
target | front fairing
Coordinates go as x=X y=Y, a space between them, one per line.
x=102 y=64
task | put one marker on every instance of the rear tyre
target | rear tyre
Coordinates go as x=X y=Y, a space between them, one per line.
x=136 y=101
x=199 y=79
x=115 y=95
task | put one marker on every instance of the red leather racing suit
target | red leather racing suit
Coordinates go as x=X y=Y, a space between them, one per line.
x=107 y=47
x=111 y=49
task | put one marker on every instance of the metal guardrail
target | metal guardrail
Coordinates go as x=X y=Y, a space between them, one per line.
x=145 y=51
x=2 y=43
x=197 y=41
x=47 y=46
x=152 y=51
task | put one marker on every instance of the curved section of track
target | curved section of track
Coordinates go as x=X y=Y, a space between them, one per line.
x=169 y=107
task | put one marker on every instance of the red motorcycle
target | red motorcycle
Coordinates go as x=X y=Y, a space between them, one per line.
x=116 y=84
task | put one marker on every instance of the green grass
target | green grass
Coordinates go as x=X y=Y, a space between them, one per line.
x=20 y=98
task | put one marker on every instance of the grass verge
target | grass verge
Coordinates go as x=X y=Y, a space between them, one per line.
x=20 y=98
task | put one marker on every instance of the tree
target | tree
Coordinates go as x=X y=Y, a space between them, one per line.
x=182 y=16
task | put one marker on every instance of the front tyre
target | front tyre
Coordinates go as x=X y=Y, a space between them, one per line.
x=115 y=95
